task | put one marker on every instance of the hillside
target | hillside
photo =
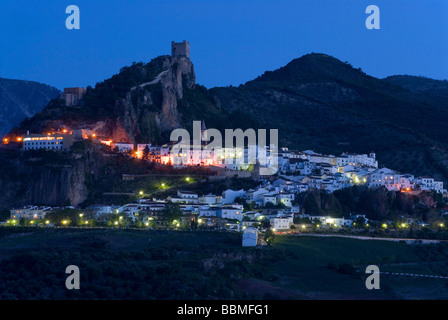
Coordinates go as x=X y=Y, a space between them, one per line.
x=316 y=101
x=428 y=90
x=20 y=99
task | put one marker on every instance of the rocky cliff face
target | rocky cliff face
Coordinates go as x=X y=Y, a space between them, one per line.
x=48 y=178
x=152 y=107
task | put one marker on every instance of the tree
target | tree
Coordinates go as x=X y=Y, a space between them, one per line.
x=269 y=236
x=310 y=204
x=138 y=224
x=265 y=223
x=193 y=224
x=249 y=206
x=359 y=222
x=145 y=153
x=57 y=216
x=4 y=215
x=269 y=205
x=171 y=212
x=240 y=200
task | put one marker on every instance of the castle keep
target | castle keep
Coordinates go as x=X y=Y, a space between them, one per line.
x=180 y=49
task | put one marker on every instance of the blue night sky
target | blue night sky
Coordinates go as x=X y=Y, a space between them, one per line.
x=232 y=41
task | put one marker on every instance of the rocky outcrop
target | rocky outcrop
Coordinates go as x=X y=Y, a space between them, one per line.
x=49 y=178
x=152 y=107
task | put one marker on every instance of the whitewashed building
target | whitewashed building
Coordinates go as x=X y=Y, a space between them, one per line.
x=281 y=223
x=29 y=212
x=250 y=237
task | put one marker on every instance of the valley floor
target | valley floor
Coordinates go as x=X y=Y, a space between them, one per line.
x=173 y=265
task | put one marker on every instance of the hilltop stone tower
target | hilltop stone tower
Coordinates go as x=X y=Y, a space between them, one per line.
x=180 y=49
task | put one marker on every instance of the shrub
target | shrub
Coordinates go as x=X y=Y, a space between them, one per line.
x=346 y=268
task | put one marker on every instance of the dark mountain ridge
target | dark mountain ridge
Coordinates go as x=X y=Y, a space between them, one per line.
x=20 y=99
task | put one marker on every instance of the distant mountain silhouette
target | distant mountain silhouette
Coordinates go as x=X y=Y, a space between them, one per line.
x=20 y=99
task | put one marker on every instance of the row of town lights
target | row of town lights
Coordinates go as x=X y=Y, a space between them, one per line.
x=6 y=140
x=65 y=222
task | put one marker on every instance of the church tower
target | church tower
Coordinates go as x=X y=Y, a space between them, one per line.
x=204 y=135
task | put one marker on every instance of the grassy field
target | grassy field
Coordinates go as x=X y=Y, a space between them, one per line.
x=141 y=264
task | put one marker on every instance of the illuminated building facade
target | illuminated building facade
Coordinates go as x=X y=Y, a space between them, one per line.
x=57 y=141
x=29 y=213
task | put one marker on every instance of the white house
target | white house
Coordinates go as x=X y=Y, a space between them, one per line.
x=269 y=197
x=334 y=222
x=358 y=160
x=230 y=195
x=250 y=237
x=257 y=196
x=281 y=223
x=428 y=183
x=124 y=146
x=285 y=198
x=385 y=177
x=29 y=212
x=230 y=212
x=209 y=199
x=100 y=209
x=130 y=209
x=207 y=211
x=185 y=197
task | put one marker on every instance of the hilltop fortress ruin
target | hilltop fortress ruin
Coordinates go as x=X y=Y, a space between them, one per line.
x=180 y=49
